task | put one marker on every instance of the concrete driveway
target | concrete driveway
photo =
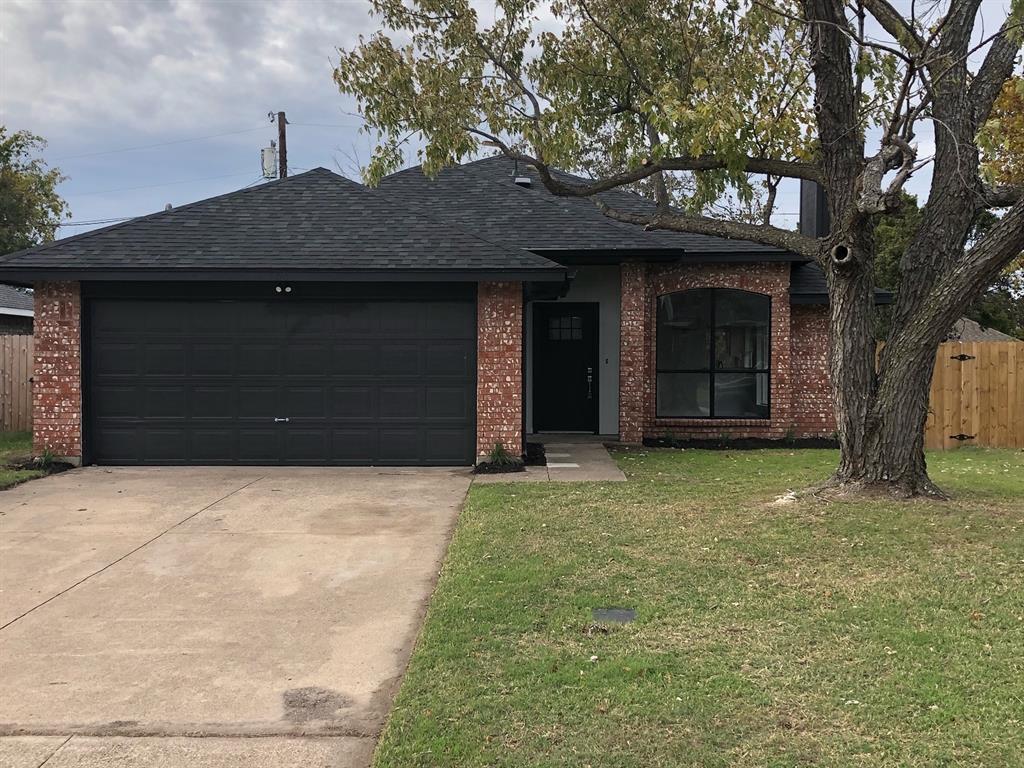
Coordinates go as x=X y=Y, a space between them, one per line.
x=165 y=616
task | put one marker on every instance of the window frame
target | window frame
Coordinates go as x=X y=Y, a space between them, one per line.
x=711 y=370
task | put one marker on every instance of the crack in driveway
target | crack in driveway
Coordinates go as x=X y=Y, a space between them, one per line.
x=143 y=545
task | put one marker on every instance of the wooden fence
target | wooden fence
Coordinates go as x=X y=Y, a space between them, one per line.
x=978 y=395
x=15 y=384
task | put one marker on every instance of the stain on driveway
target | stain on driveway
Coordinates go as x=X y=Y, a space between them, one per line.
x=159 y=614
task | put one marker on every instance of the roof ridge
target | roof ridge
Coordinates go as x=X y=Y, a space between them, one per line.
x=319 y=171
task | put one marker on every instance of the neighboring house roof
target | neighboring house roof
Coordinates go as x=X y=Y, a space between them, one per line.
x=966 y=329
x=482 y=196
x=14 y=301
x=315 y=221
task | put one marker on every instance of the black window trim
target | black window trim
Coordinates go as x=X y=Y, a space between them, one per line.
x=711 y=370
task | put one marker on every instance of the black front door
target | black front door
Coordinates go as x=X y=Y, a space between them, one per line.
x=565 y=363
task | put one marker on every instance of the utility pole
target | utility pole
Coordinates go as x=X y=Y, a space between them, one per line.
x=282 y=146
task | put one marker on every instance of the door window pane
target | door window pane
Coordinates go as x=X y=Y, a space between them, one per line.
x=741 y=395
x=684 y=330
x=684 y=395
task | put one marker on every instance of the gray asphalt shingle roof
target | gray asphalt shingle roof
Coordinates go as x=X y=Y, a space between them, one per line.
x=482 y=197
x=15 y=298
x=312 y=221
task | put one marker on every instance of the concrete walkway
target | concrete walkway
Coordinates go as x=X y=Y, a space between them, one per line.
x=213 y=617
x=570 y=459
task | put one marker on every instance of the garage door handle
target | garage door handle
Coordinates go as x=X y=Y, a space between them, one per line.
x=277 y=420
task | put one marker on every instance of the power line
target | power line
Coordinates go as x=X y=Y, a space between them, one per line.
x=116 y=219
x=326 y=125
x=152 y=186
x=161 y=144
x=96 y=222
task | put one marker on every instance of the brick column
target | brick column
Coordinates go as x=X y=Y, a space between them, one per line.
x=632 y=352
x=57 y=373
x=499 y=358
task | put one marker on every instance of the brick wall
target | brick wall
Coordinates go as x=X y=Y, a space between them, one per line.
x=57 y=374
x=800 y=399
x=632 y=352
x=813 y=415
x=499 y=384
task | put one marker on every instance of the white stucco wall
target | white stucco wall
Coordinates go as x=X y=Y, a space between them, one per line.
x=601 y=285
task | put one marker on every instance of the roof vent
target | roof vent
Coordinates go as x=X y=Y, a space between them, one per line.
x=522 y=181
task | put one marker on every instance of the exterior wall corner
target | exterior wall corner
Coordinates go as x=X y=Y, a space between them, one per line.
x=499 y=388
x=57 y=371
x=634 y=345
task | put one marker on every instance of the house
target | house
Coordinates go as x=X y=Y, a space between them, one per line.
x=966 y=329
x=15 y=311
x=312 y=320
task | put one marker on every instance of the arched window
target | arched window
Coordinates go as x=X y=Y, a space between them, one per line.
x=713 y=354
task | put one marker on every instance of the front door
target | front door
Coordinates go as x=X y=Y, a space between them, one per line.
x=565 y=363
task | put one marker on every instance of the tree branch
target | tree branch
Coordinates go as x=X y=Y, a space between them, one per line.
x=1003 y=196
x=893 y=22
x=703 y=225
x=995 y=69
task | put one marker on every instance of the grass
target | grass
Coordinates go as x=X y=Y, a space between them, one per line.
x=867 y=633
x=15 y=447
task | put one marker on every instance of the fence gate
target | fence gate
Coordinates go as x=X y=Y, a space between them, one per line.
x=977 y=396
x=15 y=383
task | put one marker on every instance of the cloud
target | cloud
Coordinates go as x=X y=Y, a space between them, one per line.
x=160 y=68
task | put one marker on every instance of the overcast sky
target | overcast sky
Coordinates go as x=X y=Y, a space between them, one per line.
x=99 y=77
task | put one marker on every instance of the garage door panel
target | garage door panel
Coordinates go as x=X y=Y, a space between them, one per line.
x=353 y=445
x=397 y=358
x=401 y=445
x=163 y=359
x=119 y=445
x=401 y=402
x=115 y=358
x=305 y=359
x=259 y=402
x=213 y=359
x=450 y=320
x=349 y=359
x=446 y=403
x=259 y=445
x=443 y=446
x=258 y=359
x=214 y=446
x=165 y=445
x=213 y=401
x=165 y=402
x=305 y=402
x=353 y=402
x=305 y=446
x=352 y=382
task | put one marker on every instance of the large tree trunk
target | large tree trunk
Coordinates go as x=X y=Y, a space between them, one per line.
x=880 y=417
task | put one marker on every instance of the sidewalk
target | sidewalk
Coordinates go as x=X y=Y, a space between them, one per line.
x=569 y=460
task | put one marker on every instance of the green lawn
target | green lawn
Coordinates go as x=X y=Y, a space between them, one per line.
x=847 y=633
x=15 y=446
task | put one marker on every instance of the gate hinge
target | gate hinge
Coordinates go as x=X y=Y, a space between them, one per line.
x=961 y=437
x=961 y=357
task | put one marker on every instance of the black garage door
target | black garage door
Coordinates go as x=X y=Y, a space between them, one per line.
x=281 y=381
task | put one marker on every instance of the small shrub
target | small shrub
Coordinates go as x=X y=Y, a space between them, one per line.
x=500 y=457
x=46 y=459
